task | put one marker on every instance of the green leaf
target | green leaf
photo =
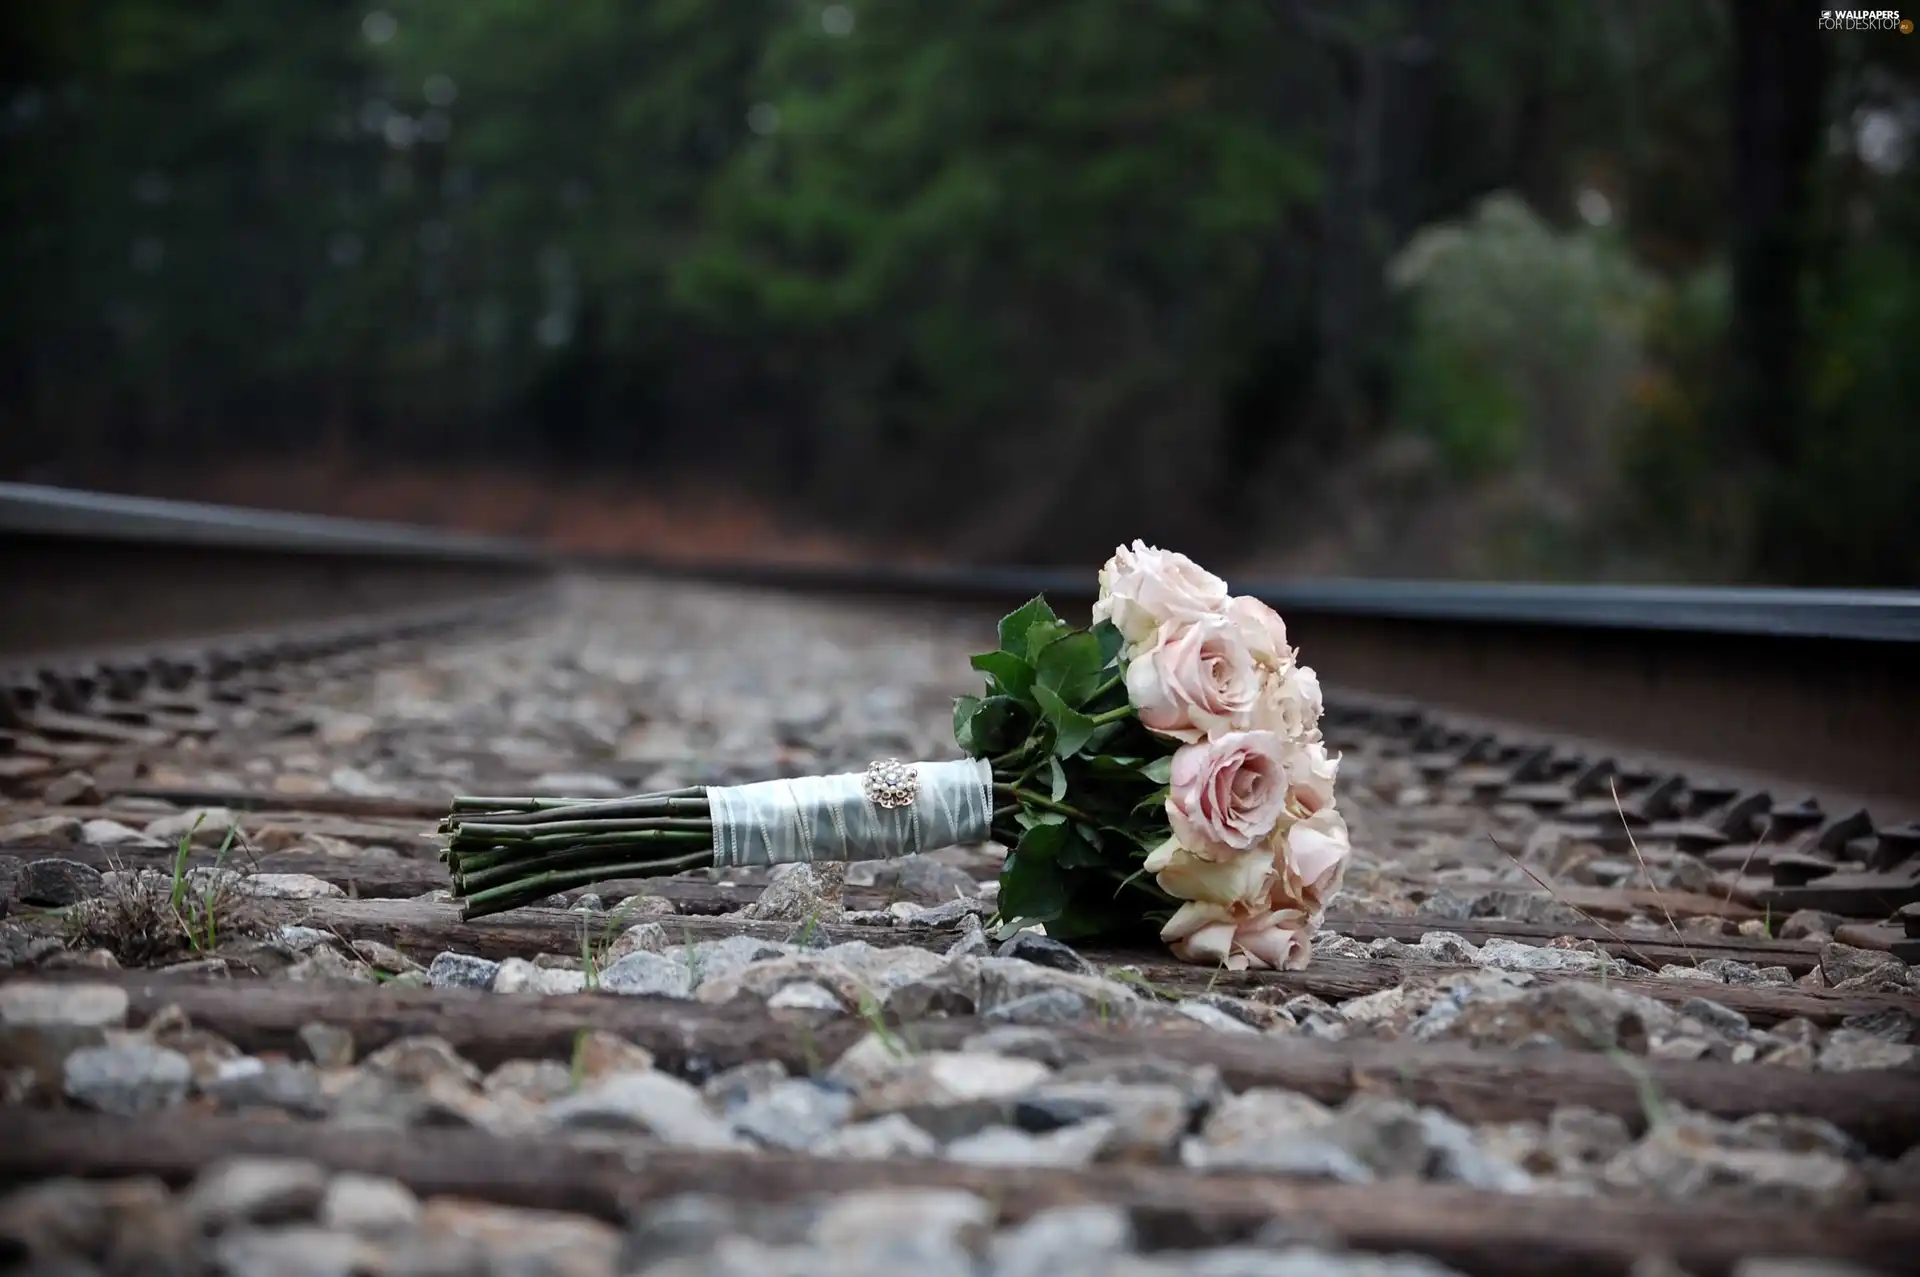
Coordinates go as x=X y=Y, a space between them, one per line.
x=1017 y=624
x=1154 y=801
x=1110 y=640
x=1011 y=675
x=1059 y=774
x=1032 y=886
x=1071 y=665
x=1159 y=771
x=1043 y=842
x=964 y=708
x=1044 y=633
x=1077 y=852
x=999 y=724
x=1071 y=728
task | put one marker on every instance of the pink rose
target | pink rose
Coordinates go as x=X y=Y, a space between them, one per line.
x=1310 y=773
x=1227 y=794
x=1310 y=861
x=1290 y=703
x=1247 y=878
x=1264 y=633
x=1239 y=936
x=1196 y=679
x=1143 y=588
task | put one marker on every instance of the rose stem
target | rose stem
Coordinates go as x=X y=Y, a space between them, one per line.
x=540 y=886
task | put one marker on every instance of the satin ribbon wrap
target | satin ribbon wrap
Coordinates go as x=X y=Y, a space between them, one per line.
x=828 y=818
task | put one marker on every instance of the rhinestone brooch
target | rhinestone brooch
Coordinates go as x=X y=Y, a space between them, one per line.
x=891 y=783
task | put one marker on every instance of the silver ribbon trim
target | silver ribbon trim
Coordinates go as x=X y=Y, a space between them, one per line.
x=829 y=818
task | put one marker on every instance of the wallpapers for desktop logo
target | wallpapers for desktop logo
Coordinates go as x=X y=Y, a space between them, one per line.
x=1865 y=20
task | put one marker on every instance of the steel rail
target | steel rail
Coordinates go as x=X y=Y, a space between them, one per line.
x=1821 y=686
x=35 y=510
x=89 y=572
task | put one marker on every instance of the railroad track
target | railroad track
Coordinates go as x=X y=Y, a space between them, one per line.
x=1584 y=1007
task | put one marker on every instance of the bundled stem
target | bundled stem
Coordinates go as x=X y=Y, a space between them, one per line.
x=507 y=852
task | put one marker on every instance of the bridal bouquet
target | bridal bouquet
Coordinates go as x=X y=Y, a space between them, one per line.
x=1163 y=767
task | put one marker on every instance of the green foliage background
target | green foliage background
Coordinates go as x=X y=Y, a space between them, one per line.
x=1011 y=280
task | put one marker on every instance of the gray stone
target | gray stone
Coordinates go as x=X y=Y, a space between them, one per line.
x=645 y=974
x=1810 y=924
x=76 y=789
x=207 y=827
x=702 y=1226
x=728 y=1090
x=952 y=913
x=1691 y=1157
x=890 y=1219
x=1721 y=1019
x=42 y=829
x=1149 y=1120
x=1212 y=1017
x=711 y=959
x=792 y=1114
x=804 y=995
x=794 y=893
x=1381 y=1137
x=1048 y=1006
x=368 y=1205
x=422 y=1060
x=535 y=1081
x=518 y=975
x=250 y=1083
x=1044 y=951
x=255 y=1190
x=328 y=1045
x=126 y=1079
x=641 y=937
x=1841 y=963
x=925 y=877
x=1511 y=955
x=297 y=939
x=461 y=970
x=1576 y=1016
x=54 y=882
x=1070 y=1146
x=1892 y=1024
x=1851 y=1050
x=1578 y=1138
x=111 y=833
x=949 y=1094
x=882 y=1137
x=652 y=1103
x=266 y=886
x=1065 y=1241
x=288 y=1252
x=323 y=965
x=1285 y=1133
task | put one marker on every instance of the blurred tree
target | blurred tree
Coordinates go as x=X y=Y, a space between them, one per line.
x=1013 y=279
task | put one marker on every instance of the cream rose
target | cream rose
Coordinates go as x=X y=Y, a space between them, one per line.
x=1290 y=703
x=1239 y=936
x=1310 y=861
x=1261 y=628
x=1225 y=795
x=1143 y=588
x=1194 y=680
x=1185 y=876
x=1310 y=775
